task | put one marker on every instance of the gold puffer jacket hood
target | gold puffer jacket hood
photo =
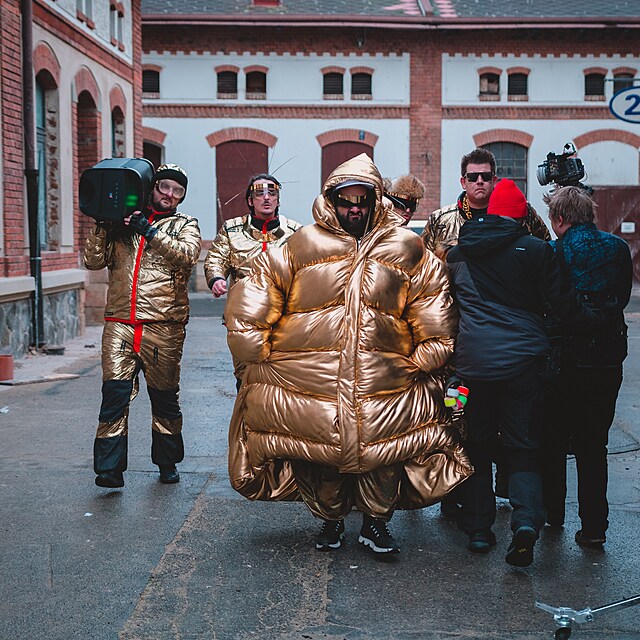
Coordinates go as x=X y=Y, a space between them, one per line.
x=344 y=341
x=148 y=280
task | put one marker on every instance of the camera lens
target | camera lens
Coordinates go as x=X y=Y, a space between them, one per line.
x=542 y=173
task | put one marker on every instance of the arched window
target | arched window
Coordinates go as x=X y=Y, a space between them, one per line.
x=622 y=81
x=332 y=85
x=594 y=86
x=150 y=81
x=517 y=86
x=118 y=145
x=361 y=86
x=489 y=86
x=511 y=162
x=43 y=162
x=227 y=85
x=256 y=87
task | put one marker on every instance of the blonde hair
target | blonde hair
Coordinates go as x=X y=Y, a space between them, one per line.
x=574 y=204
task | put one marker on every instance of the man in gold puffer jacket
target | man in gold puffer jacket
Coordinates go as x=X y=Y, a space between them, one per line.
x=150 y=257
x=345 y=331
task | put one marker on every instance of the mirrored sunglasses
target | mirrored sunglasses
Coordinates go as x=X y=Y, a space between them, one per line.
x=472 y=176
x=350 y=201
x=168 y=189
x=407 y=204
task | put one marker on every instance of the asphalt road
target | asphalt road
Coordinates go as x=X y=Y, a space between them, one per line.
x=197 y=561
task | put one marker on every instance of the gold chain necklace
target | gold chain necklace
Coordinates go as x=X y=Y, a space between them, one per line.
x=466 y=209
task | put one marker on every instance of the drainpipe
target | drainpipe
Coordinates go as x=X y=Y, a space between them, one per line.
x=31 y=173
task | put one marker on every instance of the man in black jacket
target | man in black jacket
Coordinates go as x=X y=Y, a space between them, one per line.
x=600 y=268
x=501 y=278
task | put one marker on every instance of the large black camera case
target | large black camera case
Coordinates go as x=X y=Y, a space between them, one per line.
x=115 y=187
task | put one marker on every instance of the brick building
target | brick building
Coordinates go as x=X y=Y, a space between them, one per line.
x=80 y=97
x=297 y=87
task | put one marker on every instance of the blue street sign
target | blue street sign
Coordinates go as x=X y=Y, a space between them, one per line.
x=625 y=105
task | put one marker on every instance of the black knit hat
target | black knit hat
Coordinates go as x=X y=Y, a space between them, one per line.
x=172 y=172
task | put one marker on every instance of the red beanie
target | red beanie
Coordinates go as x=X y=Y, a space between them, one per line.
x=507 y=200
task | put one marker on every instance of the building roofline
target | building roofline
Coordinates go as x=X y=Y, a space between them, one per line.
x=399 y=22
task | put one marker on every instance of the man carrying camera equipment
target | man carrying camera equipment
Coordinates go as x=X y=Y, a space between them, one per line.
x=344 y=331
x=149 y=255
x=405 y=193
x=241 y=239
x=502 y=278
x=478 y=179
x=580 y=401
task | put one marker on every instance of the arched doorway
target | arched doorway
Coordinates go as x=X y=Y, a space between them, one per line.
x=336 y=153
x=236 y=162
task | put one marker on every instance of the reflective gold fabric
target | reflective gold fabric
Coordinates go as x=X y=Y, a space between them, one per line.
x=237 y=243
x=344 y=342
x=442 y=229
x=156 y=288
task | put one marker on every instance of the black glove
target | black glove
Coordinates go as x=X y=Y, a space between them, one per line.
x=141 y=225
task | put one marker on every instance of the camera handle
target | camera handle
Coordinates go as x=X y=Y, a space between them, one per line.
x=564 y=616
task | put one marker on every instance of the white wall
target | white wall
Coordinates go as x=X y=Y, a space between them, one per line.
x=186 y=145
x=101 y=17
x=291 y=79
x=553 y=79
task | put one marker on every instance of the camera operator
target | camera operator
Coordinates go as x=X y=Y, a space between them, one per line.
x=149 y=255
x=580 y=402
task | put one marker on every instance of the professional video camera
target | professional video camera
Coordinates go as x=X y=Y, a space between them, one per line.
x=116 y=187
x=562 y=169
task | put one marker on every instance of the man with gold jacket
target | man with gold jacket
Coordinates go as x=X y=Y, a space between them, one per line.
x=344 y=332
x=478 y=178
x=149 y=256
x=241 y=239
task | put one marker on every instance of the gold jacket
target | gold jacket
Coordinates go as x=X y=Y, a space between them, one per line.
x=344 y=342
x=238 y=242
x=147 y=279
x=443 y=227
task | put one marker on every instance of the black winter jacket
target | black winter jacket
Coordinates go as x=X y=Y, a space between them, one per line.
x=501 y=279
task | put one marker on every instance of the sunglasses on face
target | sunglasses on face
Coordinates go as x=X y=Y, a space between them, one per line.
x=472 y=176
x=351 y=201
x=167 y=189
x=403 y=203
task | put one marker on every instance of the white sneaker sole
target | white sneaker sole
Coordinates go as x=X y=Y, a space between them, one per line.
x=335 y=545
x=367 y=542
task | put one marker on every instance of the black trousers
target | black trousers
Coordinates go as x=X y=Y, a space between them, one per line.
x=513 y=408
x=580 y=407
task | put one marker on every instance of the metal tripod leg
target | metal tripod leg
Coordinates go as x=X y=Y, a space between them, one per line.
x=564 y=616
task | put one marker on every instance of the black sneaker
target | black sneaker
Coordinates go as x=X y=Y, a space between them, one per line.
x=481 y=541
x=590 y=543
x=110 y=479
x=331 y=535
x=520 y=551
x=169 y=474
x=375 y=535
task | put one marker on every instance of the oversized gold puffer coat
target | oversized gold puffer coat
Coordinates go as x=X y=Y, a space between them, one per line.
x=147 y=279
x=344 y=341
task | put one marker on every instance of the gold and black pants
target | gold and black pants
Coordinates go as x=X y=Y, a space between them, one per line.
x=331 y=495
x=156 y=350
